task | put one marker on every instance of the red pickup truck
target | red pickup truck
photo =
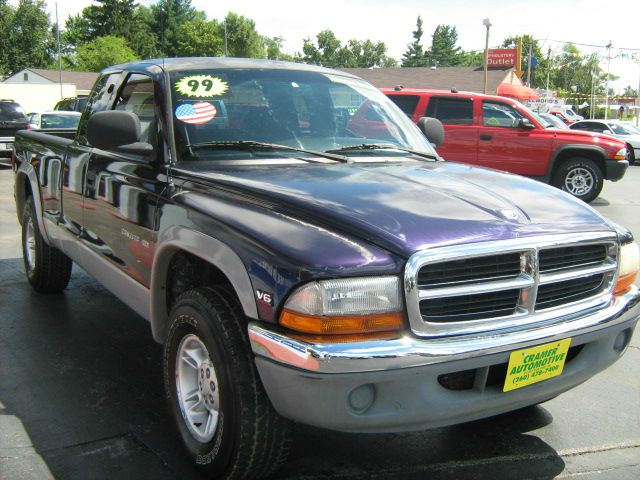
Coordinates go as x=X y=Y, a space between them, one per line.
x=501 y=133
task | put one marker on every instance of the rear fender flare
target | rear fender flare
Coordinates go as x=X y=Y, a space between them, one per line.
x=27 y=171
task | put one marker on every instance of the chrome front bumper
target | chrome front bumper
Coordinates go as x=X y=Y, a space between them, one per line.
x=397 y=385
x=275 y=345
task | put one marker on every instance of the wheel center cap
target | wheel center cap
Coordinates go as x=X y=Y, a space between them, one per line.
x=207 y=384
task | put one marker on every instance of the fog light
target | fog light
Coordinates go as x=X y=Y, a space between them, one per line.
x=362 y=397
x=622 y=340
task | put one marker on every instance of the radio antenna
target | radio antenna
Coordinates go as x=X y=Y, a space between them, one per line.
x=162 y=36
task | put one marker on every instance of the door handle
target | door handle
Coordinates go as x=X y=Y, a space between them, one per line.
x=485 y=137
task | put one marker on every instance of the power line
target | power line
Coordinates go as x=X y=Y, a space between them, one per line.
x=594 y=46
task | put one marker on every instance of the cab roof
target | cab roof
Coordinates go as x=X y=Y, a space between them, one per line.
x=187 y=63
x=441 y=92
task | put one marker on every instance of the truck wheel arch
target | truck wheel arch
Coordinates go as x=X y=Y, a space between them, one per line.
x=26 y=184
x=565 y=152
x=211 y=251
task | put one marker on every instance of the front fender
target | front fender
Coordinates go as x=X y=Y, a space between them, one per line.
x=577 y=147
x=211 y=250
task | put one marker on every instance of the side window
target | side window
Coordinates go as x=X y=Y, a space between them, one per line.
x=581 y=126
x=136 y=96
x=500 y=115
x=451 y=111
x=99 y=100
x=407 y=103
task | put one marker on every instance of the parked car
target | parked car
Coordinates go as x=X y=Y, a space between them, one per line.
x=54 y=120
x=12 y=119
x=626 y=133
x=502 y=133
x=74 y=104
x=297 y=270
x=553 y=121
x=566 y=114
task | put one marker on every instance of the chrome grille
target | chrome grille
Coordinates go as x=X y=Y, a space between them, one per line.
x=470 y=307
x=554 y=294
x=561 y=258
x=509 y=284
x=492 y=267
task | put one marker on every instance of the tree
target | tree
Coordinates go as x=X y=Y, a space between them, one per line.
x=118 y=18
x=110 y=17
x=273 y=46
x=471 y=59
x=326 y=53
x=574 y=73
x=414 y=56
x=25 y=35
x=199 y=39
x=77 y=31
x=539 y=71
x=166 y=18
x=443 y=51
x=103 y=52
x=331 y=53
x=6 y=14
x=242 y=38
x=366 y=54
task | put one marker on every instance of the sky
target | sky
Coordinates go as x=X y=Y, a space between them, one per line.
x=591 y=22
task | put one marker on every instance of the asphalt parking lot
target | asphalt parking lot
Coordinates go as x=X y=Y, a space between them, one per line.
x=81 y=397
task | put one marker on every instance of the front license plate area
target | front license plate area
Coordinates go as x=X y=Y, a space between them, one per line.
x=535 y=364
x=4 y=146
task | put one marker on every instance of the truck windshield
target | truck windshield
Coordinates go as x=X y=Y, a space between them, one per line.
x=300 y=109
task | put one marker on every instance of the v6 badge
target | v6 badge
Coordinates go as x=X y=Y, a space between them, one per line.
x=264 y=297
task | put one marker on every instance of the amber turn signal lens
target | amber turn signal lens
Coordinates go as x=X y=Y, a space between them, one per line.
x=348 y=324
x=629 y=264
x=624 y=283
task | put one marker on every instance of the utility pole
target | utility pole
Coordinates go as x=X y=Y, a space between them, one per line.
x=487 y=23
x=59 y=56
x=530 y=61
x=636 y=58
x=226 y=52
x=606 y=87
x=592 y=107
x=548 y=69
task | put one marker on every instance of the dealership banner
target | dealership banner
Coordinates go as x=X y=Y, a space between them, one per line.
x=502 y=57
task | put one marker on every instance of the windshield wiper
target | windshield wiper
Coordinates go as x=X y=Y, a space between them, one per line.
x=383 y=146
x=251 y=145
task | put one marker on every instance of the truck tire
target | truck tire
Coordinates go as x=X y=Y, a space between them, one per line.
x=631 y=157
x=223 y=415
x=47 y=268
x=581 y=177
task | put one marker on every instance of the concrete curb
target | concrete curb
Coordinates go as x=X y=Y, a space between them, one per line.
x=18 y=459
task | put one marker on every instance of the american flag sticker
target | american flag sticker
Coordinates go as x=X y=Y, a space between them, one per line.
x=197 y=113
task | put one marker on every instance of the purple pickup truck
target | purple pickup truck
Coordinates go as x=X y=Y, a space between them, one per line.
x=297 y=269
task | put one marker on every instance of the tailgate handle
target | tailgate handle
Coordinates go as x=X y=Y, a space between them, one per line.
x=485 y=137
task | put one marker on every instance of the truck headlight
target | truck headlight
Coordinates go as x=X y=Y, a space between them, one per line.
x=621 y=154
x=345 y=306
x=628 y=266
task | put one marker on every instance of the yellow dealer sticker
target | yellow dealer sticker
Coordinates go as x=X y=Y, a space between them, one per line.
x=532 y=365
x=202 y=86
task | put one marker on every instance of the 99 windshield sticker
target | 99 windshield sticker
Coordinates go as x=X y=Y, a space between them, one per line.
x=202 y=86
